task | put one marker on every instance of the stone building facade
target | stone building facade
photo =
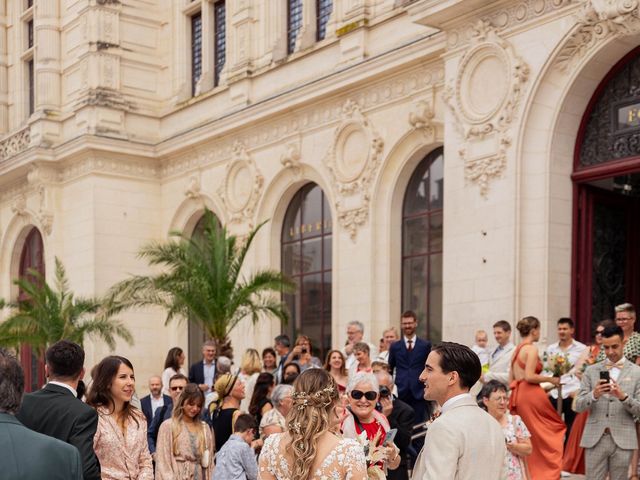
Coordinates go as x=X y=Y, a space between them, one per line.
x=407 y=154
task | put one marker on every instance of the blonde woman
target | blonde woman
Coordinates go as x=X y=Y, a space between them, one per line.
x=309 y=449
x=250 y=368
x=185 y=444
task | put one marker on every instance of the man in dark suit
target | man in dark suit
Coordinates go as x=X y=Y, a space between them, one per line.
x=25 y=453
x=407 y=357
x=155 y=399
x=56 y=411
x=203 y=373
x=401 y=417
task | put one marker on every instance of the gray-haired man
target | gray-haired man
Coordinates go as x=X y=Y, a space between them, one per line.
x=355 y=334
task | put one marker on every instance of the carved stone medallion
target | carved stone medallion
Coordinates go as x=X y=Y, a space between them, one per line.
x=353 y=160
x=484 y=101
x=242 y=185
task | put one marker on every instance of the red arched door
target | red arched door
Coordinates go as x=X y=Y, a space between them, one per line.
x=31 y=258
x=606 y=230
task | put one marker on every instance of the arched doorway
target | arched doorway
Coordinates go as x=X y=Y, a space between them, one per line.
x=422 y=222
x=307 y=259
x=606 y=176
x=31 y=259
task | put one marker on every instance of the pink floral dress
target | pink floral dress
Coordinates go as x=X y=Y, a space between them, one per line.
x=515 y=466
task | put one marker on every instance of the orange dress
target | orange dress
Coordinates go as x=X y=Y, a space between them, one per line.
x=547 y=429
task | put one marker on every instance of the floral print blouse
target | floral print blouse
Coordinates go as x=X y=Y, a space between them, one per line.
x=122 y=456
x=514 y=465
x=345 y=462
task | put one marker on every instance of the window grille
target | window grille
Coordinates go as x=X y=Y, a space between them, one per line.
x=294 y=23
x=220 y=36
x=323 y=10
x=196 y=50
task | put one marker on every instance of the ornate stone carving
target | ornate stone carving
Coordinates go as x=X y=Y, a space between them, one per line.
x=19 y=205
x=15 y=144
x=290 y=159
x=242 y=185
x=353 y=160
x=421 y=118
x=41 y=178
x=484 y=102
x=192 y=190
x=597 y=21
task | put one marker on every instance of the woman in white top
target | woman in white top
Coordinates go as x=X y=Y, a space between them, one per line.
x=172 y=365
x=310 y=449
x=250 y=368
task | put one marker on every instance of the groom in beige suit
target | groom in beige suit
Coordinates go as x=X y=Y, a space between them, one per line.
x=609 y=437
x=464 y=442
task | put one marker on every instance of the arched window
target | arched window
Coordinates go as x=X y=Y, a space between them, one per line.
x=31 y=258
x=197 y=335
x=422 y=245
x=306 y=259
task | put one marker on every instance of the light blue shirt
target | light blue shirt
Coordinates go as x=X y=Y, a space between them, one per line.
x=236 y=461
x=209 y=373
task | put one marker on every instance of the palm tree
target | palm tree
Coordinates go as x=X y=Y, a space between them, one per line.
x=202 y=281
x=46 y=314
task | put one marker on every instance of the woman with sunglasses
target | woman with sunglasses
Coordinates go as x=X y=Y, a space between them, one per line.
x=573 y=459
x=185 y=444
x=225 y=410
x=362 y=416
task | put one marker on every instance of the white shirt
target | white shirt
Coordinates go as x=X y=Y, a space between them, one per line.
x=453 y=400
x=570 y=383
x=65 y=385
x=155 y=403
x=209 y=373
x=413 y=341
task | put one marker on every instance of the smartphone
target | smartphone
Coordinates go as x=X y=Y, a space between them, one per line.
x=391 y=434
x=604 y=375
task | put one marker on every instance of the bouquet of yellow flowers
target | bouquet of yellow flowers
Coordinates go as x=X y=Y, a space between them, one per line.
x=558 y=364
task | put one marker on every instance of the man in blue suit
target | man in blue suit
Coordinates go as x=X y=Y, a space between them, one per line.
x=407 y=357
x=155 y=399
x=203 y=373
x=25 y=453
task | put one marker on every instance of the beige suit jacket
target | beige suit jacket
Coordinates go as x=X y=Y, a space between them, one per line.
x=464 y=443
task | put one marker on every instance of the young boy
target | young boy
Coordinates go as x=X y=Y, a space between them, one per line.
x=481 y=348
x=236 y=460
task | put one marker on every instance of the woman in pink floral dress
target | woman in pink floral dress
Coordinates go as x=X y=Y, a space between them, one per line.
x=493 y=398
x=120 y=441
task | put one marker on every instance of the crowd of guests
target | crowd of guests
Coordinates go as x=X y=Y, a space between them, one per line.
x=283 y=413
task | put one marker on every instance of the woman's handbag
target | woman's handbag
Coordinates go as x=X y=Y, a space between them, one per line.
x=205 y=460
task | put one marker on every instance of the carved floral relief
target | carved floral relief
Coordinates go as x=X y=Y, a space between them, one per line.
x=484 y=101
x=353 y=161
x=242 y=186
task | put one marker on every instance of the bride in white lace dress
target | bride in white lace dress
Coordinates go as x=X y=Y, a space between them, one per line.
x=309 y=449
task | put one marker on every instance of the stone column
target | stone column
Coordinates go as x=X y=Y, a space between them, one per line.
x=47 y=61
x=4 y=107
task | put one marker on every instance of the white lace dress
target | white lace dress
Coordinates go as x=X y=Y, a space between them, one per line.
x=345 y=462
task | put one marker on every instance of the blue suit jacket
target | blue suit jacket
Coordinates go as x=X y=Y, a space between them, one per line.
x=145 y=403
x=408 y=366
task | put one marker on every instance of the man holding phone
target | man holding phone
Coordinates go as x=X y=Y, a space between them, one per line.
x=610 y=390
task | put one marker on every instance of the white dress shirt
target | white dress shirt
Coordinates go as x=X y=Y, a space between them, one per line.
x=413 y=341
x=65 y=385
x=155 y=403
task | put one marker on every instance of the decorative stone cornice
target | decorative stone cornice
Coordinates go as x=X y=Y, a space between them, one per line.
x=483 y=118
x=598 y=20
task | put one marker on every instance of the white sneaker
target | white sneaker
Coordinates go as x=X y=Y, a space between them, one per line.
x=564 y=474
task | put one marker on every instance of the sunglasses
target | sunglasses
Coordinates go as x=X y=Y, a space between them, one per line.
x=176 y=389
x=385 y=392
x=599 y=332
x=358 y=394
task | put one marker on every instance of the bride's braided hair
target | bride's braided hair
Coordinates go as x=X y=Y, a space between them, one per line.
x=315 y=393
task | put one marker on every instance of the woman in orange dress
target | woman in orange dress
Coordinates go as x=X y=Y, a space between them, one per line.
x=530 y=402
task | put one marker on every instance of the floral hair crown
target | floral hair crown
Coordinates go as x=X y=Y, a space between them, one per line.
x=321 y=398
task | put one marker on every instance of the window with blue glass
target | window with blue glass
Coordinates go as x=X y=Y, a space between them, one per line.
x=323 y=9
x=196 y=50
x=220 y=39
x=294 y=23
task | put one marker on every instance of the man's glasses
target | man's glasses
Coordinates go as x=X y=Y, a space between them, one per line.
x=176 y=389
x=358 y=394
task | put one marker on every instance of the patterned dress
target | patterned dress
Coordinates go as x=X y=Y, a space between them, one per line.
x=514 y=429
x=345 y=462
x=187 y=464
